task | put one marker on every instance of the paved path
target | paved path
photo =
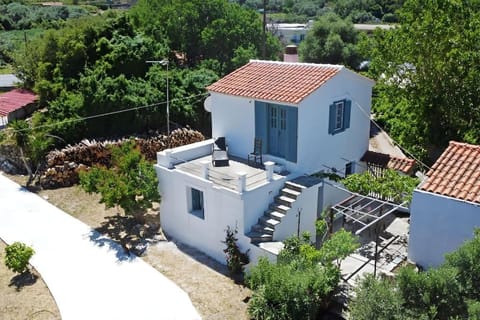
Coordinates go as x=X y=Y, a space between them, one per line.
x=88 y=275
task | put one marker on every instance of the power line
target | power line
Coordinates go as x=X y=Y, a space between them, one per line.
x=106 y=114
x=381 y=129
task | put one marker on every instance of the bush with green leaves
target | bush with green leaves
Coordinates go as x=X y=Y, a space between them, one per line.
x=17 y=257
x=376 y=300
x=390 y=184
x=130 y=182
x=300 y=284
x=236 y=259
x=447 y=292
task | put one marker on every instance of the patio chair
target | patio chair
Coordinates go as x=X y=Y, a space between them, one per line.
x=255 y=157
x=219 y=153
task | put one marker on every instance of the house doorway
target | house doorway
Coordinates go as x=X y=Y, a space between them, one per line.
x=277 y=130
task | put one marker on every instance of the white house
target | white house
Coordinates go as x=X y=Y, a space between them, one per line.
x=445 y=208
x=308 y=117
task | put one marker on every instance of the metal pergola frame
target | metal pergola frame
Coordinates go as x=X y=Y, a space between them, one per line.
x=365 y=210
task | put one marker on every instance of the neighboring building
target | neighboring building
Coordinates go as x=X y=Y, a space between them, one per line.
x=308 y=119
x=445 y=208
x=16 y=104
x=369 y=28
x=294 y=33
x=290 y=33
x=8 y=81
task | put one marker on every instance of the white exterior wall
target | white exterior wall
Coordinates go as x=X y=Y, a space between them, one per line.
x=439 y=225
x=331 y=195
x=306 y=203
x=257 y=201
x=222 y=208
x=234 y=118
x=319 y=150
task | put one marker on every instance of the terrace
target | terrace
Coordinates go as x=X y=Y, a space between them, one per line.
x=195 y=159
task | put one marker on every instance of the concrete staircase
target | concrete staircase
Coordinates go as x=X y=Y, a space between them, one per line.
x=263 y=230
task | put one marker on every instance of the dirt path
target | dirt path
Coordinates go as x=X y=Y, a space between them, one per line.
x=214 y=295
x=31 y=301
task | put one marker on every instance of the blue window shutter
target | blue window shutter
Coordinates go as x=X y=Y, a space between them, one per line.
x=346 y=116
x=331 y=120
x=292 y=128
x=261 y=124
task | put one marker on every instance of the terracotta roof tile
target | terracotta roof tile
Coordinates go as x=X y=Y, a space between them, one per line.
x=275 y=81
x=404 y=165
x=15 y=99
x=456 y=173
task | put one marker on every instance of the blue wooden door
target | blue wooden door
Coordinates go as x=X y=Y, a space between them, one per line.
x=277 y=130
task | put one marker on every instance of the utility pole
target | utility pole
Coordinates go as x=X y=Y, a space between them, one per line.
x=165 y=62
x=264 y=45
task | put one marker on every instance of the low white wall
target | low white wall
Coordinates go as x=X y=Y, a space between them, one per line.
x=332 y=195
x=439 y=225
x=169 y=157
x=258 y=200
x=306 y=203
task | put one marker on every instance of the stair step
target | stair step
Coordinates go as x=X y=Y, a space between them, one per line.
x=286 y=201
x=290 y=193
x=275 y=215
x=294 y=186
x=259 y=237
x=268 y=221
x=263 y=229
x=279 y=207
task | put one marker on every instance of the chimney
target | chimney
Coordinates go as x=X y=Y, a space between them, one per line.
x=290 y=54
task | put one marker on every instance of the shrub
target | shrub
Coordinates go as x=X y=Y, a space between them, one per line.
x=236 y=259
x=297 y=290
x=17 y=257
x=376 y=299
x=300 y=284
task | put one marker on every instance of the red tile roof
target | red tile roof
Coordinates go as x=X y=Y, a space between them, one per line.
x=404 y=165
x=456 y=173
x=275 y=81
x=15 y=99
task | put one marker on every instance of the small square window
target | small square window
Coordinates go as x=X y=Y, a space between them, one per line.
x=196 y=203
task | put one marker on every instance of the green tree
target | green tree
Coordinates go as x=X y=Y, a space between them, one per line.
x=130 y=182
x=428 y=71
x=33 y=146
x=17 y=257
x=465 y=260
x=203 y=29
x=331 y=40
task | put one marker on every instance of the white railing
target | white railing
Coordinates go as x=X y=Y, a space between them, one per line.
x=237 y=181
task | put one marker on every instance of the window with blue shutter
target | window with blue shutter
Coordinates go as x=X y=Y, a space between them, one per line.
x=339 y=116
x=196 y=206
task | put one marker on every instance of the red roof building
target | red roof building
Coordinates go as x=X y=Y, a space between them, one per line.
x=14 y=102
x=275 y=81
x=404 y=165
x=456 y=173
x=445 y=208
